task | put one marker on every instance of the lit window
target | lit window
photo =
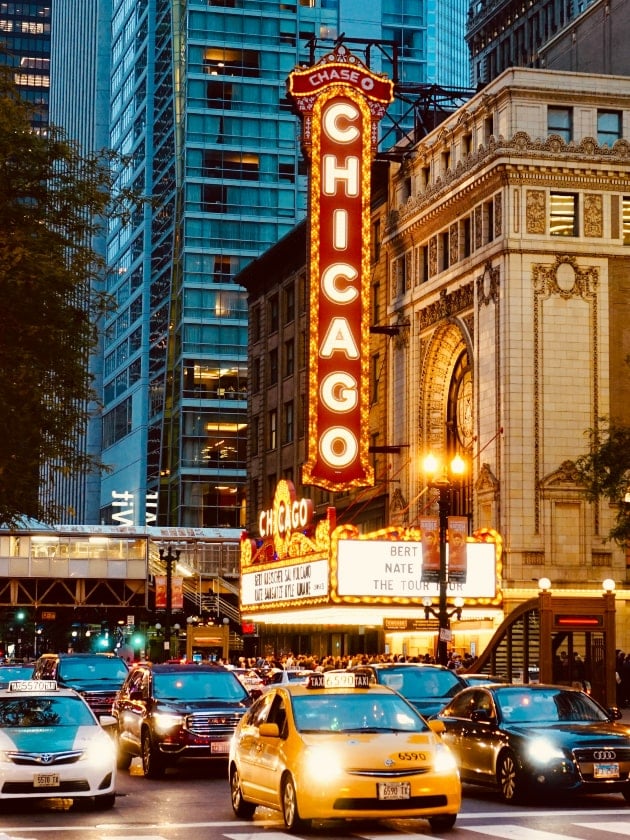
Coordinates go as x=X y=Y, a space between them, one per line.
x=563 y=214
x=625 y=211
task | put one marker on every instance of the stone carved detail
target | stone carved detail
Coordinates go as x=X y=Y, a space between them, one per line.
x=453 y=248
x=447 y=306
x=547 y=279
x=520 y=146
x=488 y=286
x=593 y=214
x=433 y=255
x=535 y=213
x=498 y=214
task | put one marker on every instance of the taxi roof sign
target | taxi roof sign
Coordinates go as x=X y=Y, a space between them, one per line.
x=338 y=679
x=33 y=685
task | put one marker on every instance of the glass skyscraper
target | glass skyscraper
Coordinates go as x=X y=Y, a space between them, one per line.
x=25 y=47
x=197 y=106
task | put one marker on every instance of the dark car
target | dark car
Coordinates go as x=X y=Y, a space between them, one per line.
x=166 y=712
x=96 y=676
x=530 y=740
x=428 y=687
x=13 y=671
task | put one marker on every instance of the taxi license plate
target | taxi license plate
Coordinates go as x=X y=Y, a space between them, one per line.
x=222 y=747
x=46 y=780
x=393 y=790
x=606 y=771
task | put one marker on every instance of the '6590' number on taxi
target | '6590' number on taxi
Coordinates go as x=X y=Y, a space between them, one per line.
x=412 y=756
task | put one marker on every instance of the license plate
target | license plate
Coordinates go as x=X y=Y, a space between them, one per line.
x=222 y=747
x=606 y=771
x=393 y=790
x=46 y=780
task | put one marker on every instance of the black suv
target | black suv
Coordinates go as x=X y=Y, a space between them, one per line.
x=96 y=676
x=172 y=711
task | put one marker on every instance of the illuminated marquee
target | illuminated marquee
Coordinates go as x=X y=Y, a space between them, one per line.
x=341 y=103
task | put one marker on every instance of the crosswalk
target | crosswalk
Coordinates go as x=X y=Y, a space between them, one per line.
x=609 y=824
x=467 y=828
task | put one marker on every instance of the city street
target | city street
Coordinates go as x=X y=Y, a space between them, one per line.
x=193 y=801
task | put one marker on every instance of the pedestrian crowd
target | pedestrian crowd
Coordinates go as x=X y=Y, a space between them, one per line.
x=311 y=662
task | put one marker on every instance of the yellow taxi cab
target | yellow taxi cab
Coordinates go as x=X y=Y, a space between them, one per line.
x=340 y=748
x=52 y=745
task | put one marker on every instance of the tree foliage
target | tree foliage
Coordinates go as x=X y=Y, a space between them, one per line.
x=605 y=473
x=53 y=202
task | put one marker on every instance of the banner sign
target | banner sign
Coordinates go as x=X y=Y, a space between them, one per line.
x=457 y=533
x=341 y=102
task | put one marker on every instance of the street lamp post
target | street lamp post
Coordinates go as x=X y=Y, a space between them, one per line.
x=168 y=558
x=443 y=484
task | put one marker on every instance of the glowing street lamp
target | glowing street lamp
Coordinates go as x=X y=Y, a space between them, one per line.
x=441 y=476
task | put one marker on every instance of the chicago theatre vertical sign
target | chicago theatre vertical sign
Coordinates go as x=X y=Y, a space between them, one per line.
x=341 y=103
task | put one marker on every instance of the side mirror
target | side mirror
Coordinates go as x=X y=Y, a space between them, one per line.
x=269 y=730
x=437 y=726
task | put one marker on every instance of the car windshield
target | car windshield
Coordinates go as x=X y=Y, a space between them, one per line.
x=547 y=705
x=44 y=711
x=99 y=668
x=421 y=682
x=198 y=685
x=352 y=712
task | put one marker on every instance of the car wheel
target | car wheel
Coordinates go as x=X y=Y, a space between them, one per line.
x=442 y=822
x=626 y=792
x=509 y=778
x=152 y=764
x=242 y=809
x=290 y=811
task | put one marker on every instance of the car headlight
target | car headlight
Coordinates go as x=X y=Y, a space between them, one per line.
x=444 y=761
x=99 y=752
x=542 y=750
x=322 y=759
x=164 y=721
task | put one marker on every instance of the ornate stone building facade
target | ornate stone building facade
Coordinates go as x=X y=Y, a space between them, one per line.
x=507 y=248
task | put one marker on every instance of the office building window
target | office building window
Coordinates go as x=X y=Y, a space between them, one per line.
x=273 y=429
x=608 y=127
x=273 y=366
x=256 y=375
x=289 y=357
x=274 y=314
x=376 y=372
x=563 y=214
x=289 y=304
x=488 y=221
x=376 y=310
x=560 y=121
x=288 y=430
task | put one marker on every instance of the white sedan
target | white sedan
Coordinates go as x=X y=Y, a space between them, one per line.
x=52 y=745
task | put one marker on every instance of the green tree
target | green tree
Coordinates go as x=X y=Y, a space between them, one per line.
x=53 y=203
x=605 y=473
